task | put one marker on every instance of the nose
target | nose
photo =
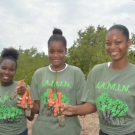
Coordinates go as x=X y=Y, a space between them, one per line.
x=112 y=46
x=6 y=71
x=55 y=54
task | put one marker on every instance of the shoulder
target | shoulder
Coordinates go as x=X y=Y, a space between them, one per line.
x=97 y=70
x=77 y=72
x=132 y=65
x=16 y=83
x=99 y=67
x=40 y=70
x=74 y=68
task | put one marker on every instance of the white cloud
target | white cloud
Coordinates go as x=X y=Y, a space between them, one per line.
x=30 y=23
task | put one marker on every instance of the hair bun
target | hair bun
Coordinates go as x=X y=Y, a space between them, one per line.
x=10 y=52
x=57 y=31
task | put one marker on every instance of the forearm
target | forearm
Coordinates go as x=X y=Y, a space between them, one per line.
x=36 y=107
x=85 y=108
x=30 y=118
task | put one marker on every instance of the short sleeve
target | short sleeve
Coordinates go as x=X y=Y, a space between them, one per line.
x=80 y=84
x=89 y=90
x=34 y=87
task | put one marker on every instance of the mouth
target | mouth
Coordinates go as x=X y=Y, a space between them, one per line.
x=56 y=60
x=114 y=53
x=6 y=77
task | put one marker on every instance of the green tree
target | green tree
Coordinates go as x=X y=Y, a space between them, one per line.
x=88 y=50
x=29 y=61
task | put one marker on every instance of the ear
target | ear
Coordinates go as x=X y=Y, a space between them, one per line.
x=128 y=43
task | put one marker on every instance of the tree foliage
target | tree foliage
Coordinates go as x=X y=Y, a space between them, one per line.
x=88 y=50
x=29 y=61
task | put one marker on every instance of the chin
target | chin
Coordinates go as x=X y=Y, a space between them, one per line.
x=56 y=64
x=7 y=81
x=116 y=59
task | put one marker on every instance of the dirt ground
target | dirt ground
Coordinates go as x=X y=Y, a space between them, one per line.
x=90 y=125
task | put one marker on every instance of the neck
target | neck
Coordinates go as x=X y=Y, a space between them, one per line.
x=55 y=68
x=6 y=84
x=118 y=65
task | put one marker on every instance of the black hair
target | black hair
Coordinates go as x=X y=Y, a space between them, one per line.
x=10 y=53
x=57 y=36
x=122 y=28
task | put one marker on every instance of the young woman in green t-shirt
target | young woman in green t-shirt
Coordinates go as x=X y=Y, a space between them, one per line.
x=110 y=88
x=12 y=118
x=66 y=81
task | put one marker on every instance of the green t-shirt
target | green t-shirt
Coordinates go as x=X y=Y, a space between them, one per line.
x=12 y=118
x=113 y=92
x=71 y=83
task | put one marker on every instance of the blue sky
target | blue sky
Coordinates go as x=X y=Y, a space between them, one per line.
x=28 y=23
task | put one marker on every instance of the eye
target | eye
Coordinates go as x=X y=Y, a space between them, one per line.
x=60 y=51
x=118 y=42
x=108 y=44
x=51 y=51
x=3 y=68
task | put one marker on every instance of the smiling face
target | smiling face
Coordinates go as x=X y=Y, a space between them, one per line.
x=57 y=52
x=7 y=72
x=117 y=45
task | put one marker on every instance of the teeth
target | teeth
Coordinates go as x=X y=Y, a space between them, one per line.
x=114 y=53
x=5 y=77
